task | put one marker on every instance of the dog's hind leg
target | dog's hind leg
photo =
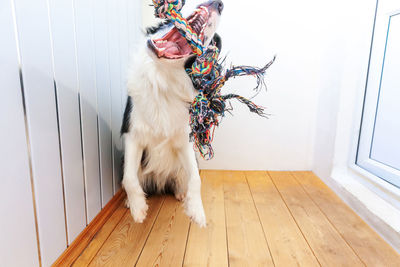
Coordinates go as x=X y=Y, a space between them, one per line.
x=136 y=196
x=192 y=202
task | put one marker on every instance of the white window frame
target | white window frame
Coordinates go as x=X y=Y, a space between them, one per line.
x=373 y=86
x=365 y=192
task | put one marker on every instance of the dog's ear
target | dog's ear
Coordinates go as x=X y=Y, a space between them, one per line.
x=217 y=40
x=190 y=61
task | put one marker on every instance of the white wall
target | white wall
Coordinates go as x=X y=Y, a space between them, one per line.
x=252 y=32
x=347 y=44
x=299 y=33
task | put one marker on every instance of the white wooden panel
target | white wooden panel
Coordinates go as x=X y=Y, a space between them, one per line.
x=65 y=73
x=124 y=13
x=386 y=141
x=124 y=48
x=103 y=98
x=36 y=62
x=84 y=24
x=17 y=224
x=115 y=83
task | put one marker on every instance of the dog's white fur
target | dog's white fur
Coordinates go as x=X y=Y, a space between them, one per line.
x=159 y=123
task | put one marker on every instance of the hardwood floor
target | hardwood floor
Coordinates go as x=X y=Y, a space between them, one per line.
x=253 y=219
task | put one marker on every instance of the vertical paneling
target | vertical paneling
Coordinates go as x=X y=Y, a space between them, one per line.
x=124 y=48
x=65 y=73
x=64 y=63
x=84 y=28
x=103 y=99
x=17 y=225
x=124 y=13
x=37 y=70
x=115 y=85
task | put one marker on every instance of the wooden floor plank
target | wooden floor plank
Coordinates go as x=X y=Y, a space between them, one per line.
x=327 y=244
x=253 y=219
x=370 y=247
x=207 y=246
x=167 y=240
x=74 y=250
x=97 y=242
x=247 y=244
x=124 y=245
x=287 y=244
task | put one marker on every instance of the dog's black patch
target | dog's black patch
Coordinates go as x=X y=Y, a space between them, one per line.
x=218 y=41
x=125 y=127
x=190 y=61
x=127 y=116
x=159 y=26
x=122 y=168
x=170 y=187
x=144 y=160
x=150 y=188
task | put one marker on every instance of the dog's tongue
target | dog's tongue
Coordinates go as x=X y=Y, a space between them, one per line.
x=173 y=46
x=169 y=49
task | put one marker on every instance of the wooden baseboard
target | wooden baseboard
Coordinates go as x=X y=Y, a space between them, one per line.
x=82 y=241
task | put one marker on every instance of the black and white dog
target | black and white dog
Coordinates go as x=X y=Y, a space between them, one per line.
x=158 y=154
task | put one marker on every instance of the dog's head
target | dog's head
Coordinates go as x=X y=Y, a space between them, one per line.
x=173 y=46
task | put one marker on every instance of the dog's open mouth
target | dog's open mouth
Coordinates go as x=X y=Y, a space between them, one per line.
x=173 y=45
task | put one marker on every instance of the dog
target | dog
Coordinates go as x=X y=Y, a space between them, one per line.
x=159 y=156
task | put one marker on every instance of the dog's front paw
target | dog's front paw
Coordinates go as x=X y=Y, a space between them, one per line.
x=138 y=208
x=194 y=209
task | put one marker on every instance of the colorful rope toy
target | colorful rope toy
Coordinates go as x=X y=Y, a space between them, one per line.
x=209 y=105
x=170 y=9
x=208 y=77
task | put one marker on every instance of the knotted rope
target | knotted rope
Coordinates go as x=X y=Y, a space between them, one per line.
x=210 y=105
x=170 y=9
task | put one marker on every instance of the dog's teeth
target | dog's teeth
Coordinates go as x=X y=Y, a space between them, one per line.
x=194 y=17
